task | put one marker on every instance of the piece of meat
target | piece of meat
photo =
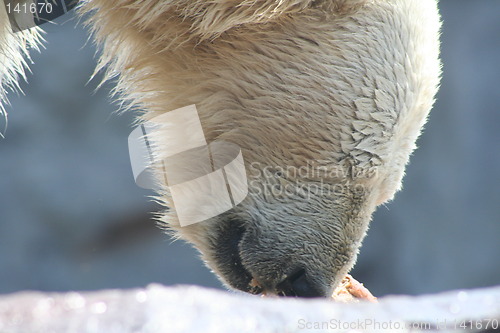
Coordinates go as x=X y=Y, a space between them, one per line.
x=350 y=290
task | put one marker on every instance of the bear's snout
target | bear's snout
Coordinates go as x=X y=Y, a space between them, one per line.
x=252 y=261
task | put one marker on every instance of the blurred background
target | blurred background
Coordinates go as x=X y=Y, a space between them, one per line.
x=72 y=218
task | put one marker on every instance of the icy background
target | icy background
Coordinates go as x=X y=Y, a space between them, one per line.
x=71 y=217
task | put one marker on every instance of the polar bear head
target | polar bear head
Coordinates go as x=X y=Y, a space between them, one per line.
x=324 y=98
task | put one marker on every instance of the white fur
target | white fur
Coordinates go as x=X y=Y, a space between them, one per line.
x=13 y=53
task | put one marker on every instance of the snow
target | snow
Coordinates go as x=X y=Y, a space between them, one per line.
x=158 y=308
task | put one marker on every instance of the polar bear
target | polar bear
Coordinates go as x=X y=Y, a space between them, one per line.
x=325 y=98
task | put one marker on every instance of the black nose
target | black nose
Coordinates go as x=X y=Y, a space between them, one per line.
x=299 y=285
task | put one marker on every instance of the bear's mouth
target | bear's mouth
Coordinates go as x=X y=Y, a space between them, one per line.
x=228 y=260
